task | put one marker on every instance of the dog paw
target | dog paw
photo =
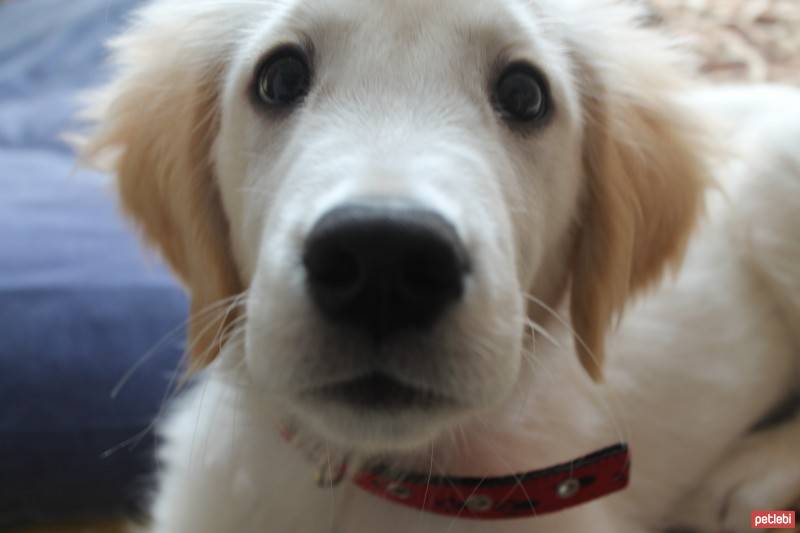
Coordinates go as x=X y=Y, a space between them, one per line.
x=762 y=473
x=767 y=493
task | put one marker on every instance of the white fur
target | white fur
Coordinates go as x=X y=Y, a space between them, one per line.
x=691 y=367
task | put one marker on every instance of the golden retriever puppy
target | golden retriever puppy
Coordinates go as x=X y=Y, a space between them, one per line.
x=409 y=230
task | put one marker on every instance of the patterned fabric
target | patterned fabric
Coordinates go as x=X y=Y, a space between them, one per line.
x=739 y=40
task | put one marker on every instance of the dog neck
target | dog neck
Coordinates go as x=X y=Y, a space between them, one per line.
x=550 y=434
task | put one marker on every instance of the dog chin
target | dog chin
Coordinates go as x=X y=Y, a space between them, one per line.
x=374 y=431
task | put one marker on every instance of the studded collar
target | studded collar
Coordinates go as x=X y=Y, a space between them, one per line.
x=516 y=496
x=522 y=495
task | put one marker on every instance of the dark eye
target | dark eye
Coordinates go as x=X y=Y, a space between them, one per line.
x=521 y=94
x=284 y=78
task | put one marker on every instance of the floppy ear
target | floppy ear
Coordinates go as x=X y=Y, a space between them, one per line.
x=155 y=126
x=645 y=160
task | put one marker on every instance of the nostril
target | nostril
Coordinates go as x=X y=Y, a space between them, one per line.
x=429 y=274
x=334 y=269
x=335 y=276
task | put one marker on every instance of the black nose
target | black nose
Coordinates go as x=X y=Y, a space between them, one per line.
x=383 y=270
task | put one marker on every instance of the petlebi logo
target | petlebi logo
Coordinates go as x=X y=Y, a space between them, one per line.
x=772 y=520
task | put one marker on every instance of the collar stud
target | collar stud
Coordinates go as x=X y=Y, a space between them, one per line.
x=478 y=503
x=568 y=488
x=398 y=490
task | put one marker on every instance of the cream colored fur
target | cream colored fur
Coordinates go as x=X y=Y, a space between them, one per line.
x=566 y=226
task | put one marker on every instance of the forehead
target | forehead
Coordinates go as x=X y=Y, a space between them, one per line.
x=440 y=28
x=407 y=20
x=428 y=51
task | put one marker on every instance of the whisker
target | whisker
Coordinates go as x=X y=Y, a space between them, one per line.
x=171 y=389
x=330 y=479
x=538 y=328
x=152 y=352
x=620 y=430
x=423 y=515
x=530 y=356
x=215 y=341
x=200 y=402
x=564 y=322
x=464 y=505
x=517 y=483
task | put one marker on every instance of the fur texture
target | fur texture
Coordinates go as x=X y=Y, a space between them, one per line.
x=565 y=223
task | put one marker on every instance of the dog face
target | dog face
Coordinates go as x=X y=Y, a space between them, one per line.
x=390 y=181
x=434 y=206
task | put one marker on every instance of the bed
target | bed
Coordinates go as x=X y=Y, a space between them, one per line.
x=90 y=323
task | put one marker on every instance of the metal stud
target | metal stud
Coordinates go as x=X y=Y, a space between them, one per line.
x=568 y=488
x=478 y=503
x=398 y=490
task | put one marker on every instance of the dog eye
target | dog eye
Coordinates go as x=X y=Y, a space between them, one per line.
x=521 y=94
x=284 y=78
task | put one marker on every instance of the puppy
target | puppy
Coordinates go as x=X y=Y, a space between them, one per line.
x=409 y=230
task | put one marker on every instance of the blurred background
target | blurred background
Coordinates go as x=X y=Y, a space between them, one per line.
x=91 y=325
x=737 y=40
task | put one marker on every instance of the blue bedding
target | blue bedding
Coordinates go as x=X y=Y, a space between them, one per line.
x=80 y=302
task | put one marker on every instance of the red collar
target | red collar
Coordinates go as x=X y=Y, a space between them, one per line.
x=522 y=495
x=517 y=496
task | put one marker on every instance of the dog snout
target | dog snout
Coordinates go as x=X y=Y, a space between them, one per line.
x=383 y=270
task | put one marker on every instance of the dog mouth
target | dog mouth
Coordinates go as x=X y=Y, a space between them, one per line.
x=380 y=392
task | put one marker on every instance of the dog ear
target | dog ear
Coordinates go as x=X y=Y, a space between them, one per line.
x=155 y=126
x=645 y=162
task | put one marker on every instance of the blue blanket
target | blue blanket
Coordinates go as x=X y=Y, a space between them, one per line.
x=81 y=303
